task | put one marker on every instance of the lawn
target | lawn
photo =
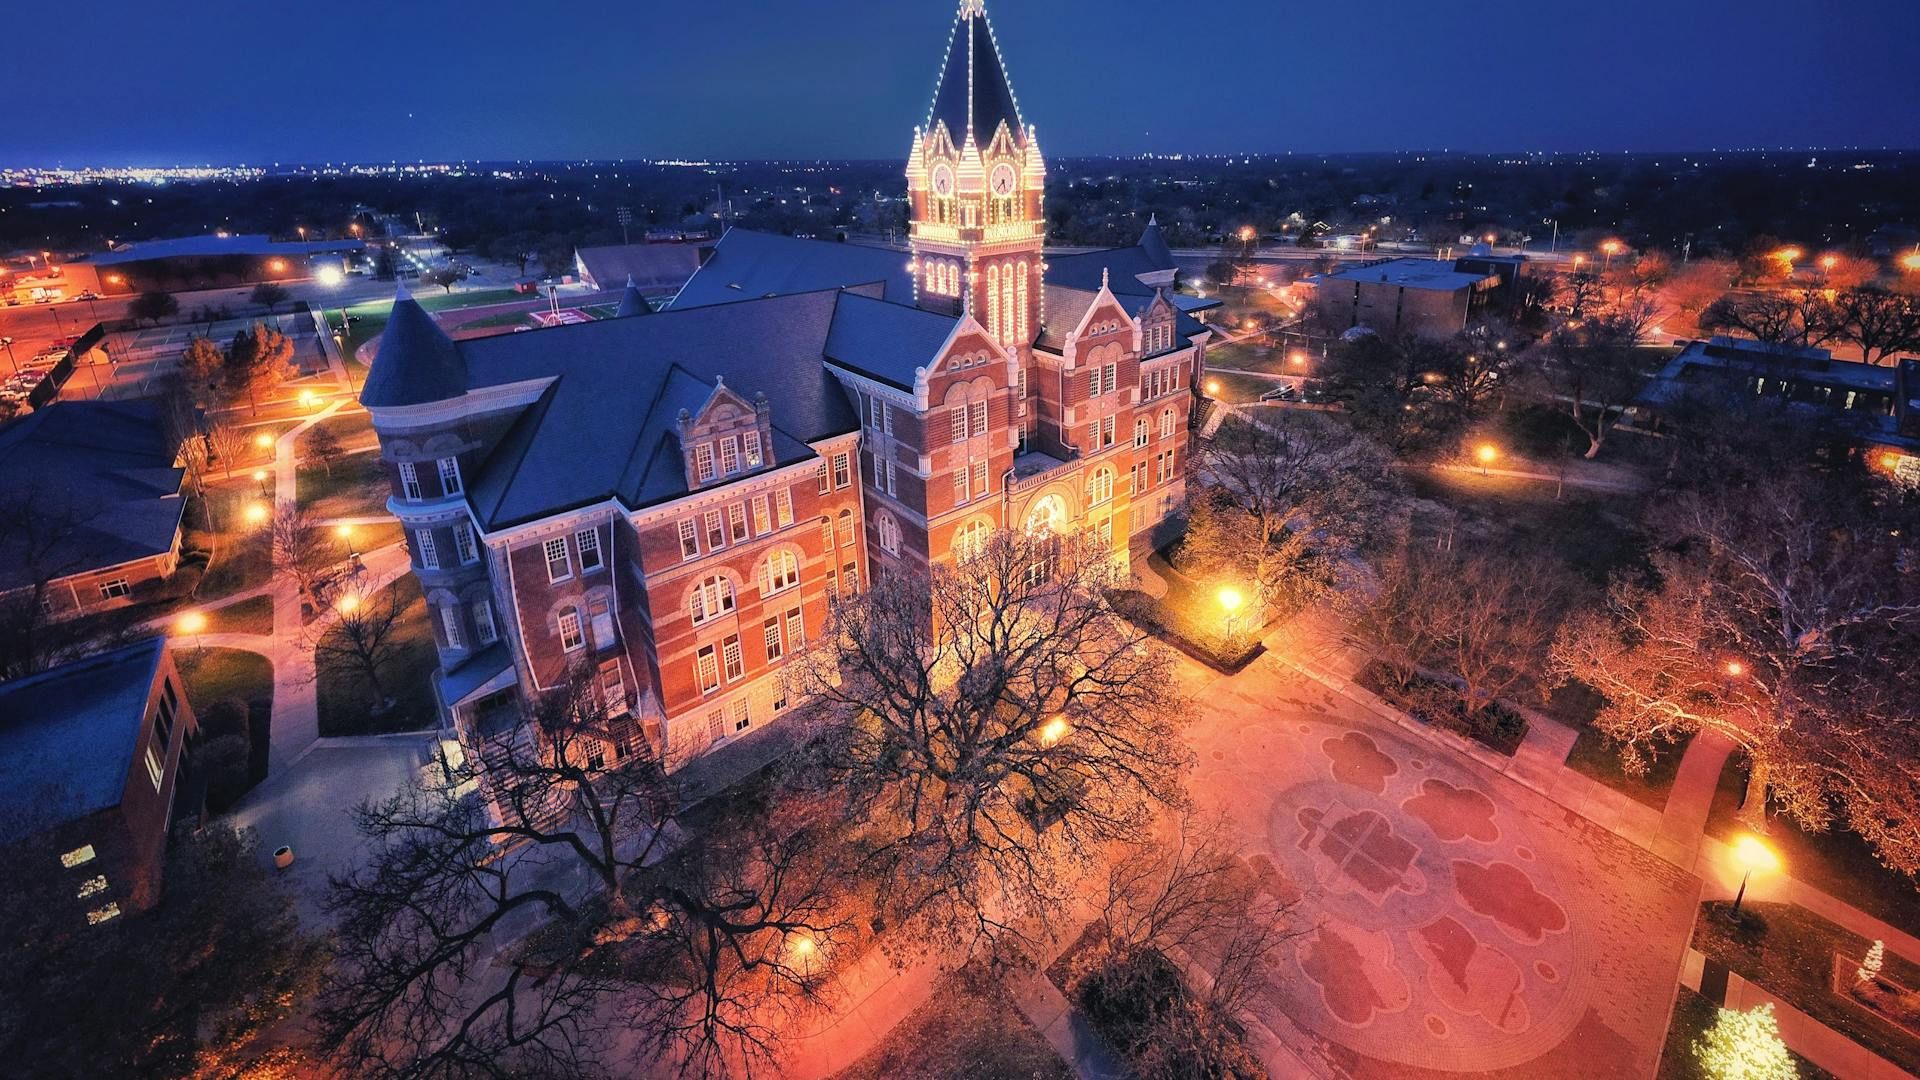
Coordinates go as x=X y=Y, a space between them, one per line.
x=1692 y=1016
x=356 y=486
x=254 y=615
x=1237 y=389
x=215 y=674
x=1597 y=759
x=505 y=318
x=968 y=1029
x=351 y=428
x=1190 y=618
x=1836 y=862
x=1792 y=958
x=1592 y=533
x=370 y=318
x=347 y=700
x=238 y=553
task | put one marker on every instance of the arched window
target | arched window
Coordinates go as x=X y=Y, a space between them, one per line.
x=1166 y=422
x=970 y=539
x=993 y=299
x=889 y=530
x=711 y=598
x=846 y=528
x=1100 y=486
x=1141 y=431
x=781 y=571
x=1006 y=304
x=1020 y=306
x=1047 y=515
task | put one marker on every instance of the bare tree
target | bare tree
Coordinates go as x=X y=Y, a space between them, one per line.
x=1291 y=499
x=1778 y=319
x=298 y=547
x=364 y=638
x=269 y=295
x=1191 y=938
x=1880 y=321
x=1593 y=368
x=228 y=443
x=554 y=889
x=990 y=726
x=1784 y=616
x=1584 y=293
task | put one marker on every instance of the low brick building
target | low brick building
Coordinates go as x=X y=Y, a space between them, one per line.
x=91 y=754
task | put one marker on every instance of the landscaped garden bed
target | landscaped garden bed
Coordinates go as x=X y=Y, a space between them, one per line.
x=1789 y=952
x=1436 y=704
x=969 y=1028
x=1692 y=1016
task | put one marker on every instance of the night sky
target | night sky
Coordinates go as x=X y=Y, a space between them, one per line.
x=114 y=82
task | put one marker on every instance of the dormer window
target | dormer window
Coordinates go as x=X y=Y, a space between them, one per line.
x=729 y=455
x=752 y=440
x=703 y=462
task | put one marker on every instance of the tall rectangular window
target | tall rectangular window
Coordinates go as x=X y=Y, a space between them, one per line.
x=707 y=666
x=842 y=472
x=716 y=532
x=960 y=494
x=980 y=479
x=730 y=455
x=762 y=516
x=752 y=441
x=703 y=462
x=770 y=630
x=978 y=411
x=796 y=629
x=450 y=475
x=737 y=521
x=1109 y=377
x=1141 y=432
x=730 y=657
x=483 y=621
x=850 y=573
x=820 y=478
x=409 y=481
x=572 y=637
x=556 y=552
x=588 y=541
x=423 y=545
x=783 y=507
x=890 y=477
x=689 y=539
x=742 y=716
x=1106 y=431
x=613 y=689
x=959 y=423
x=463 y=543
x=886 y=418
x=450 y=625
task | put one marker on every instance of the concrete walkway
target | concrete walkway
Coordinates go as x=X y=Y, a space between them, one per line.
x=1803 y=1034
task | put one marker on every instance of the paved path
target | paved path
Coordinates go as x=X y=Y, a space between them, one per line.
x=1803 y=1034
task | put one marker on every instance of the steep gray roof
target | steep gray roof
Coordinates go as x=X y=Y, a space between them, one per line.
x=417 y=361
x=631 y=302
x=747 y=265
x=658 y=269
x=974 y=94
x=886 y=341
x=68 y=736
x=607 y=424
x=100 y=471
x=1155 y=245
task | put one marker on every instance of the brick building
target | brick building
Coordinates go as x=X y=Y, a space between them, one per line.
x=670 y=501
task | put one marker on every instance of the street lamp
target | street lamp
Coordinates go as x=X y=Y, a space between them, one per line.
x=1486 y=453
x=256 y=513
x=1054 y=730
x=1213 y=387
x=308 y=399
x=263 y=441
x=260 y=477
x=192 y=623
x=1298 y=358
x=1734 y=668
x=1750 y=854
x=1231 y=600
x=8 y=342
x=1612 y=248
x=1911 y=261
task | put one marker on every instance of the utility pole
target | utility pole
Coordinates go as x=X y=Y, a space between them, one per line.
x=625 y=214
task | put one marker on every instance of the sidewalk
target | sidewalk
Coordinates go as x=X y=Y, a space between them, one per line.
x=1803 y=1034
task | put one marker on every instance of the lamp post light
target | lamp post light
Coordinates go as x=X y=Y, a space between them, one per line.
x=1750 y=854
x=263 y=440
x=1053 y=731
x=192 y=623
x=8 y=342
x=1612 y=248
x=260 y=477
x=1485 y=454
x=256 y=513
x=1231 y=600
x=308 y=399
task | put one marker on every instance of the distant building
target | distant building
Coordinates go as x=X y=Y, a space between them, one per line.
x=1876 y=405
x=668 y=502
x=1424 y=297
x=203 y=262
x=658 y=270
x=90 y=492
x=91 y=754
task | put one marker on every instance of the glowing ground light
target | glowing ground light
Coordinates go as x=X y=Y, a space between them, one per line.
x=349 y=604
x=1231 y=599
x=263 y=441
x=256 y=512
x=1735 y=668
x=1486 y=453
x=1054 y=730
x=192 y=622
x=1213 y=386
x=1298 y=358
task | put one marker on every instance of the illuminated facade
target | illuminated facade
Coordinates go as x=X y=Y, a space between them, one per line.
x=670 y=502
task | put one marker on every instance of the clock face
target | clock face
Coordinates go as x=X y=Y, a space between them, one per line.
x=942 y=180
x=1003 y=179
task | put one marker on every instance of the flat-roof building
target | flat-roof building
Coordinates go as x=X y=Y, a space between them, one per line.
x=194 y=262
x=1427 y=297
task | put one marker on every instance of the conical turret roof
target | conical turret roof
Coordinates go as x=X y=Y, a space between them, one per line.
x=974 y=95
x=1155 y=245
x=417 y=361
x=631 y=302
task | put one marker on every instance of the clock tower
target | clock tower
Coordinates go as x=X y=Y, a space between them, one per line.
x=975 y=180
